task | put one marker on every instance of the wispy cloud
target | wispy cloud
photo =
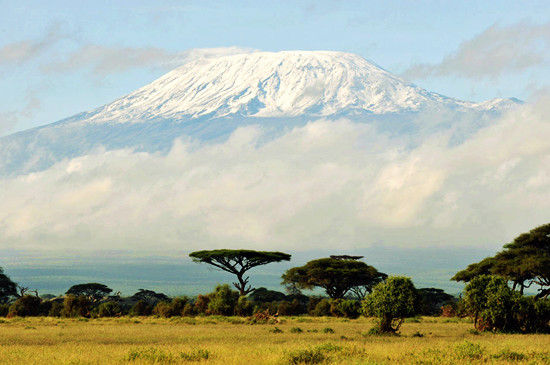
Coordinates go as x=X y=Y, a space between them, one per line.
x=326 y=184
x=106 y=60
x=10 y=118
x=20 y=52
x=496 y=51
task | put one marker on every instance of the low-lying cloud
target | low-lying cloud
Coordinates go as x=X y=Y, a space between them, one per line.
x=326 y=184
x=494 y=52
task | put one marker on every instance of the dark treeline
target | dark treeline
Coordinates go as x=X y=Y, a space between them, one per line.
x=493 y=297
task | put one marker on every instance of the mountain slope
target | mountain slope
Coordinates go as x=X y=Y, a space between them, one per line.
x=208 y=98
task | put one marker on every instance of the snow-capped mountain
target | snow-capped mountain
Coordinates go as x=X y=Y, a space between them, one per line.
x=208 y=98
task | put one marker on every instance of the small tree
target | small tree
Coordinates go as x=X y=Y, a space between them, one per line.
x=149 y=296
x=8 y=289
x=238 y=262
x=391 y=301
x=336 y=275
x=93 y=291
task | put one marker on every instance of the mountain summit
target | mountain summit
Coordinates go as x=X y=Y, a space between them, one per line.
x=273 y=84
x=207 y=99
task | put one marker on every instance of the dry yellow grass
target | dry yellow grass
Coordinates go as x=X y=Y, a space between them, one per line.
x=229 y=341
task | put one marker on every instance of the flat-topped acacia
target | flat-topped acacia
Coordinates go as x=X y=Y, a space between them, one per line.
x=336 y=275
x=238 y=262
x=524 y=262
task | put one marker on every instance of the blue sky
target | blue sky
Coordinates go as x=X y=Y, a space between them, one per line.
x=56 y=56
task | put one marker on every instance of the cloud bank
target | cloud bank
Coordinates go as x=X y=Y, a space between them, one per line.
x=492 y=53
x=326 y=184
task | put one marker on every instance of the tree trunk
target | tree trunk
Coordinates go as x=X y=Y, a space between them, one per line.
x=241 y=285
x=385 y=324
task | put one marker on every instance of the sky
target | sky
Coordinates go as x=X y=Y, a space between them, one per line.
x=322 y=186
x=59 y=58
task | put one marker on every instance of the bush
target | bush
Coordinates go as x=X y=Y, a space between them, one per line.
x=76 y=306
x=27 y=305
x=178 y=304
x=496 y=307
x=243 y=307
x=391 y=300
x=223 y=301
x=296 y=330
x=109 y=309
x=163 y=309
x=328 y=330
x=55 y=309
x=188 y=310
x=4 y=310
x=201 y=304
x=141 y=308
x=322 y=308
x=348 y=308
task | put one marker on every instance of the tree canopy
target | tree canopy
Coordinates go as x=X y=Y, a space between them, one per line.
x=392 y=301
x=8 y=288
x=93 y=291
x=150 y=296
x=335 y=275
x=524 y=262
x=238 y=262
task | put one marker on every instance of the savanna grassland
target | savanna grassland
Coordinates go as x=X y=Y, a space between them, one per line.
x=233 y=340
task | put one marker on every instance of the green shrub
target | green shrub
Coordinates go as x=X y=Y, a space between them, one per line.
x=322 y=308
x=469 y=350
x=178 y=304
x=328 y=330
x=348 y=308
x=76 y=306
x=163 y=309
x=4 y=310
x=27 y=305
x=390 y=301
x=243 y=307
x=188 y=310
x=296 y=330
x=56 y=309
x=141 y=308
x=496 y=307
x=223 y=301
x=109 y=309
x=276 y=330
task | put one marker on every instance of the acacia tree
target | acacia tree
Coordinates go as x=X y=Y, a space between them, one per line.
x=336 y=275
x=524 y=262
x=238 y=262
x=8 y=288
x=93 y=291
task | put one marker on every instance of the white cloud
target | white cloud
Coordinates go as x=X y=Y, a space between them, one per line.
x=326 y=184
x=104 y=60
x=496 y=51
x=27 y=50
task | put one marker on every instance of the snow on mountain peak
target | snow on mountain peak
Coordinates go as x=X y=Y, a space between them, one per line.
x=270 y=84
